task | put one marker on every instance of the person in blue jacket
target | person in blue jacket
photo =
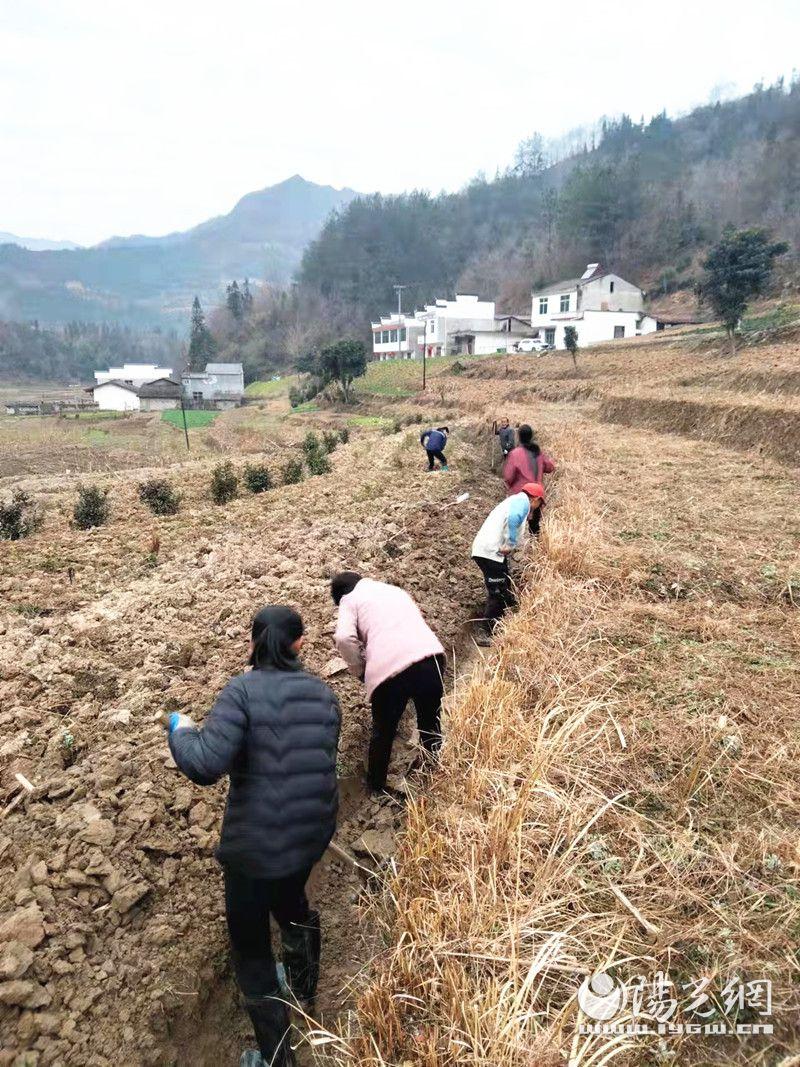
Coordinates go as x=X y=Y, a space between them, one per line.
x=274 y=730
x=434 y=441
x=503 y=533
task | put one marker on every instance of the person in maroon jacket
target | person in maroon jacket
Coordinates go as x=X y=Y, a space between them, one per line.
x=527 y=463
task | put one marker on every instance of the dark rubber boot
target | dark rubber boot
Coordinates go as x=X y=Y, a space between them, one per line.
x=270 y=1019
x=302 y=943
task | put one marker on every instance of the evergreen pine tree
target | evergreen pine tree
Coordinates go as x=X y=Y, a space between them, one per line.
x=247 y=299
x=233 y=301
x=201 y=342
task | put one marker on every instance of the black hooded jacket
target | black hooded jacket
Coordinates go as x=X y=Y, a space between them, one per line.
x=276 y=734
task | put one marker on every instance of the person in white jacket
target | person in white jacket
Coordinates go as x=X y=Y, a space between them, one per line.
x=503 y=532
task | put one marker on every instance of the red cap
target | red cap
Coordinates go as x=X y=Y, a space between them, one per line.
x=534 y=489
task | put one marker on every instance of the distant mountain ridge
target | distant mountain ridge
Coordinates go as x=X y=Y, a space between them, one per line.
x=149 y=280
x=35 y=244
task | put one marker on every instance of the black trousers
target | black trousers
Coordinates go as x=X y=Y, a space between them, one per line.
x=499 y=594
x=434 y=455
x=249 y=902
x=421 y=682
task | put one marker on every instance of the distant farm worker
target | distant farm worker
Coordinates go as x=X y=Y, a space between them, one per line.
x=275 y=731
x=503 y=533
x=506 y=434
x=434 y=441
x=527 y=463
x=384 y=640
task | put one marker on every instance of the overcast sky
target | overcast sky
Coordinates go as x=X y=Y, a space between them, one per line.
x=146 y=117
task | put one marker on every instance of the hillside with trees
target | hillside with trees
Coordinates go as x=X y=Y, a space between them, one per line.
x=647 y=198
x=30 y=352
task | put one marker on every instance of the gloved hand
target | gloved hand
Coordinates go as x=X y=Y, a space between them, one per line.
x=177 y=721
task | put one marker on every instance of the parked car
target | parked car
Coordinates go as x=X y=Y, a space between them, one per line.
x=532 y=344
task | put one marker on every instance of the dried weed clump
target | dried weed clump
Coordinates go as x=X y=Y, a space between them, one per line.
x=563 y=835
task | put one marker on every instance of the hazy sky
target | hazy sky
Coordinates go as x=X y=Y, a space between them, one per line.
x=144 y=117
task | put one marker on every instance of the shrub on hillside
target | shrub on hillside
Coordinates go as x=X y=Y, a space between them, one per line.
x=19 y=517
x=318 y=463
x=224 y=483
x=257 y=478
x=311 y=444
x=344 y=435
x=159 y=496
x=91 y=508
x=330 y=440
x=292 y=472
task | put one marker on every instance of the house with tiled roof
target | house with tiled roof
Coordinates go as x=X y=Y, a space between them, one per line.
x=219 y=386
x=115 y=394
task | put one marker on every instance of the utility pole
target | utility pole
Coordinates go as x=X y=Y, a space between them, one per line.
x=399 y=290
x=185 y=427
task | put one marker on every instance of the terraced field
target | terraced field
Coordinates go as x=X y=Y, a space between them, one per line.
x=618 y=789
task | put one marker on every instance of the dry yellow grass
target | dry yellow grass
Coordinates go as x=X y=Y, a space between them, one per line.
x=600 y=806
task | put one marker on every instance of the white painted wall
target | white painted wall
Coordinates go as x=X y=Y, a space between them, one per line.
x=114 y=398
x=135 y=373
x=488 y=343
x=610 y=293
x=448 y=316
x=596 y=326
x=553 y=312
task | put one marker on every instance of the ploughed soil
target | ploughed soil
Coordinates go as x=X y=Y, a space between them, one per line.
x=111 y=902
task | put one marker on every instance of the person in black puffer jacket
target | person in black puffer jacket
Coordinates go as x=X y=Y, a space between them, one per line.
x=275 y=731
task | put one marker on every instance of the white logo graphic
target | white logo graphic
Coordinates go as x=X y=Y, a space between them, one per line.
x=655 y=1006
x=601 y=997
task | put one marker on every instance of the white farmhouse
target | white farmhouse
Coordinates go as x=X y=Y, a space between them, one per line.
x=464 y=326
x=499 y=336
x=219 y=386
x=396 y=337
x=117 y=395
x=600 y=305
x=446 y=318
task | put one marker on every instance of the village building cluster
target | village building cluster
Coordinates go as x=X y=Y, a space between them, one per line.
x=144 y=387
x=600 y=305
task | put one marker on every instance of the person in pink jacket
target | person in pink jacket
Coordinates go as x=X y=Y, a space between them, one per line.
x=527 y=463
x=384 y=640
